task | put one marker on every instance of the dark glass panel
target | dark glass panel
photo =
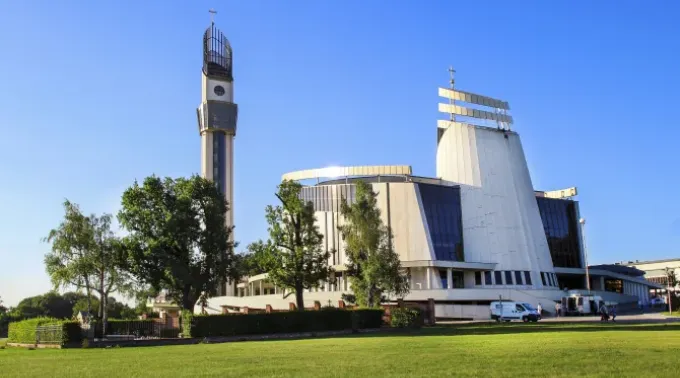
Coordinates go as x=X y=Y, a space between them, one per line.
x=508 y=277
x=560 y=224
x=527 y=278
x=518 y=277
x=498 y=277
x=444 y=219
x=478 y=278
x=487 y=278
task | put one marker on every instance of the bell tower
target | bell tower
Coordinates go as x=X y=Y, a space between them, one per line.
x=217 y=115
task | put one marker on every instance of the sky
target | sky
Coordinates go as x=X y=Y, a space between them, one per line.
x=95 y=95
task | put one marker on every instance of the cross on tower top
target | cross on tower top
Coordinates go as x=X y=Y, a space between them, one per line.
x=212 y=15
x=452 y=72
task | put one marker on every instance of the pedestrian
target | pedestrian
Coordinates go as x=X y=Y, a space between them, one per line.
x=539 y=309
x=613 y=313
x=558 y=308
x=604 y=316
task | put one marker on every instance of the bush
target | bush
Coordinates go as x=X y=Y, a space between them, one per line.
x=45 y=331
x=406 y=318
x=187 y=324
x=284 y=322
x=24 y=331
x=169 y=333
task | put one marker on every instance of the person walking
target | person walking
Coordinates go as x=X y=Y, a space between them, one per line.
x=604 y=316
x=613 y=313
x=558 y=308
x=539 y=309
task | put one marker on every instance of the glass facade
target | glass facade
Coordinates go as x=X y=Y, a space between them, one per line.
x=560 y=223
x=444 y=219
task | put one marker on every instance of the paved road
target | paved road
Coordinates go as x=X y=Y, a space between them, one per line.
x=635 y=318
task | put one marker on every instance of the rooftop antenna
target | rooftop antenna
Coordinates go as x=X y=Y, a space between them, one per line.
x=452 y=72
x=212 y=16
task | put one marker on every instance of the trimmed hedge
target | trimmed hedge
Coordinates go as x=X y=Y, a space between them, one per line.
x=45 y=331
x=187 y=324
x=284 y=322
x=406 y=318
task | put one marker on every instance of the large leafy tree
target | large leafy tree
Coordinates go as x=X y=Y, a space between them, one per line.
x=86 y=253
x=293 y=255
x=178 y=240
x=68 y=263
x=373 y=267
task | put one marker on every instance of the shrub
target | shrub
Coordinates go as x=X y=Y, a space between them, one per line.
x=169 y=333
x=187 y=324
x=24 y=331
x=369 y=318
x=45 y=331
x=406 y=318
x=284 y=322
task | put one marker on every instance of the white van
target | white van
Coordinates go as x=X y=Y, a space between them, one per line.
x=508 y=311
x=577 y=304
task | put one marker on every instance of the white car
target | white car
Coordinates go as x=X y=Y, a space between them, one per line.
x=657 y=301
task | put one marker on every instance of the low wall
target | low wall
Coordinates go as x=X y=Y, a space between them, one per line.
x=456 y=311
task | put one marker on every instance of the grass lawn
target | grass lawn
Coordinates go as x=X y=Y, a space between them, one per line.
x=675 y=313
x=489 y=350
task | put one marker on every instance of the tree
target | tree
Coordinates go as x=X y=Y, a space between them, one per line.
x=49 y=304
x=178 y=240
x=293 y=256
x=86 y=253
x=373 y=267
x=105 y=261
x=671 y=278
x=68 y=262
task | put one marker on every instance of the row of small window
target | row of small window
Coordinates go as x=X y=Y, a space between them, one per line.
x=549 y=279
x=513 y=277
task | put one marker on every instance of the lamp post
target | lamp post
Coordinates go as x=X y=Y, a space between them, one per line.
x=582 y=221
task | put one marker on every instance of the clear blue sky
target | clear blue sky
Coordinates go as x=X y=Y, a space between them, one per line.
x=96 y=95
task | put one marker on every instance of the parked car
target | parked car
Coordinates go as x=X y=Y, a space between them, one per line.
x=657 y=301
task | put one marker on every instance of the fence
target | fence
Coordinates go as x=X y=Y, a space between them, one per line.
x=50 y=334
x=140 y=329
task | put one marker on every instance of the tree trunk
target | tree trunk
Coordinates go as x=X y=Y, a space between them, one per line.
x=105 y=300
x=299 y=289
x=187 y=300
x=89 y=298
x=101 y=296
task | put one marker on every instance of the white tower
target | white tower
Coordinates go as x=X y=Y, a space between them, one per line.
x=217 y=117
x=477 y=149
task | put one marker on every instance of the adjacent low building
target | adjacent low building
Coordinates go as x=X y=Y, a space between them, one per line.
x=475 y=233
x=657 y=271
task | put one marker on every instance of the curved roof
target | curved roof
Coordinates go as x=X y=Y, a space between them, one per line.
x=365 y=170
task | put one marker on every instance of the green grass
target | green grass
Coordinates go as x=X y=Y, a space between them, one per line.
x=489 y=350
x=675 y=313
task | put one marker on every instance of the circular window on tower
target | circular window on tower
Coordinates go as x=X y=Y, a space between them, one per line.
x=219 y=90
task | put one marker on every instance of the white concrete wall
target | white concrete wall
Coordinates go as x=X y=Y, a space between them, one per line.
x=501 y=221
x=410 y=238
x=456 y=311
x=409 y=228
